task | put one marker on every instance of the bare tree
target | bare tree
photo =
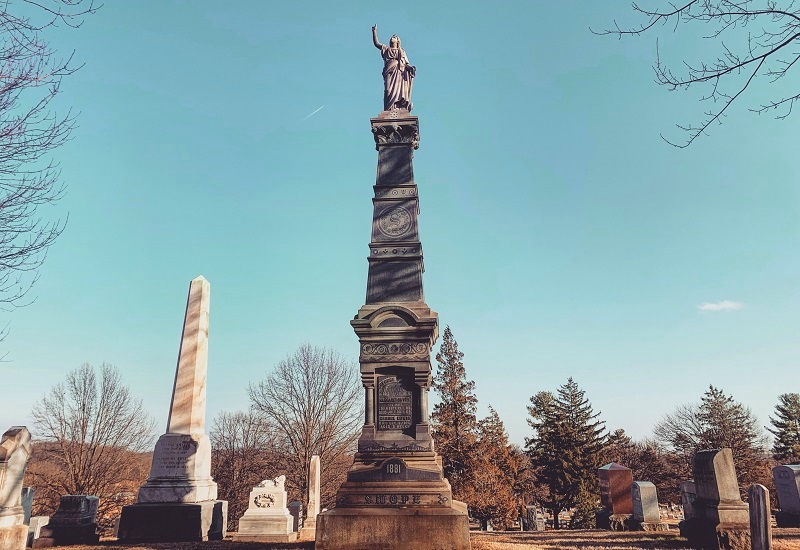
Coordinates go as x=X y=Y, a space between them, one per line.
x=313 y=399
x=30 y=77
x=93 y=433
x=754 y=38
x=244 y=455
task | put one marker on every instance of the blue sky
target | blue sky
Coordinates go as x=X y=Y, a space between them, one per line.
x=562 y=236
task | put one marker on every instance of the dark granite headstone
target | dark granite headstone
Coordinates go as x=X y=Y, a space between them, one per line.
x=75 y=522
x=787 y=486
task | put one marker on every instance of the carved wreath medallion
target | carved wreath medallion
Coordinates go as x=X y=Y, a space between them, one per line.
x=395 y=221
x=264 y=500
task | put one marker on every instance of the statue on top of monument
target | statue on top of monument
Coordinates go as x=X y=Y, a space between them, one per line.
x=398 y=74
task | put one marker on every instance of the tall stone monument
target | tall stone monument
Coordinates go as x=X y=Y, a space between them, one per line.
x=179 y=500
x=15 y=449
x=720 y=520
x=309 y=530
x=615 y=496
x=395 y=495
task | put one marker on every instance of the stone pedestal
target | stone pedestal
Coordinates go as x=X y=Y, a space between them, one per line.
x=267 y=519
x=75 y=522
x=15 y=449
x=178 y=502
x=395 y=495
x=720 y=519
x=760 y=517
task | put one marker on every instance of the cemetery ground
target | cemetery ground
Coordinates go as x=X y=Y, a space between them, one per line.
x=585 y=539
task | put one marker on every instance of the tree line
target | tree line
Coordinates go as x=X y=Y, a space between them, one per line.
x=93 y=436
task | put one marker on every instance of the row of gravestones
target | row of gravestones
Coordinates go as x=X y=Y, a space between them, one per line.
x=715 y=518
x=267 y=519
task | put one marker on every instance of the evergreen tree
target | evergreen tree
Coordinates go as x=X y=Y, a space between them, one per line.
x=453 y=420
x=718 y=421
x=786 y=448
x=567 y=446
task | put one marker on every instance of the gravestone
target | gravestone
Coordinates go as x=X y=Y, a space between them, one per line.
x=178 y=502
x=75 y=522
x=267 y=519
x=27 y=503
x=15 y=449
x=534 y=520
x=296 y=510
x=646 y=513
x=787 y=486
x=615 y=496
x=688 y=496
x=35 y=527
x=760 y=517
x=720 y=520
x=395 y=495
x=309 y=530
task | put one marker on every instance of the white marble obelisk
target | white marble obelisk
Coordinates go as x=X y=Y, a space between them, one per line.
x=181 y=469
x=309 y=530
x=178 y=502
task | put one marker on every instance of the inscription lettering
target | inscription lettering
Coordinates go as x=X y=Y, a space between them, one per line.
x=394 y=404
x=398 y=500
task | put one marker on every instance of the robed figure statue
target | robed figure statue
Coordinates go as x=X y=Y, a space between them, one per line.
x=398 y=74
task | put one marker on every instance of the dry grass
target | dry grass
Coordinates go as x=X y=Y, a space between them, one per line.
x=784 y=539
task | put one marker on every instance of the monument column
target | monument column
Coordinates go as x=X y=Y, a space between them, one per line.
x=395 y=495
x=179 y=500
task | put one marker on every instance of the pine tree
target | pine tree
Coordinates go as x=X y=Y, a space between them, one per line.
x=718 y=421
x=567 y=445
x=786 y=448
x=453 y=420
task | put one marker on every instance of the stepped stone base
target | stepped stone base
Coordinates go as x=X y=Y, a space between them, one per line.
x=174 y=521
x=647 y=526
x=14 y=537
x=613 y=522
x=394 y=528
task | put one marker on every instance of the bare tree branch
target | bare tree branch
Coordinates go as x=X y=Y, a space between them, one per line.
x=767 y=53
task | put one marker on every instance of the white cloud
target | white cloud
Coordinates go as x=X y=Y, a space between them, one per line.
x=724 y=305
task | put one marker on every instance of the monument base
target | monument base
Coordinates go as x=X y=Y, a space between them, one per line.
x=785 y=519
x=722 y=536
x=307 y=533
x=291 y=537
x=14 y=537
x=65 y=535
x=174 y=522
x=394 y=528
x=613 y=522
x=647 y=526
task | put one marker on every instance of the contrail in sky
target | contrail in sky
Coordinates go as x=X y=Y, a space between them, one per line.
x=314 y=113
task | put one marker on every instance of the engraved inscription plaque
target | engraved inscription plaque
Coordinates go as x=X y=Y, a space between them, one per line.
x=394 y=404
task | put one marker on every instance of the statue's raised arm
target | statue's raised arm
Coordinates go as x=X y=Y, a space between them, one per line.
x=398 y=73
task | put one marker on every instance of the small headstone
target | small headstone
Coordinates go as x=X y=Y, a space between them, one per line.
x=615 y=495
x=688 y=496
x=75 y=522
x=27 y=503
x=308 y=532
x=645 y=502
x=787 y=486
x=720 y=519
x=760 y=517
x=35 y=526
x=267 y=519
x=15 y=449
x=296 y=510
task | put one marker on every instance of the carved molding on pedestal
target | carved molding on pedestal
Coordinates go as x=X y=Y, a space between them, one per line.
x=396 y=133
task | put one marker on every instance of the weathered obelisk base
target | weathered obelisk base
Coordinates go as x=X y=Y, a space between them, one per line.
x=179 y=500
x=395 y=496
